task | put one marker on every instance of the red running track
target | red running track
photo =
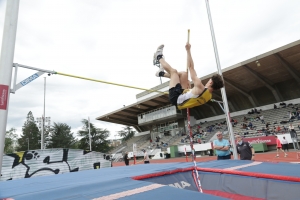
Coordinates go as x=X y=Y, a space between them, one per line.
x=263 y=157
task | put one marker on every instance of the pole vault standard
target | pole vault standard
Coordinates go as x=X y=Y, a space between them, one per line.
x=224 y=97
x=6 y=63
x=195 y=172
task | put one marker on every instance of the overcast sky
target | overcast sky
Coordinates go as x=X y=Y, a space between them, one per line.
x=115 y=40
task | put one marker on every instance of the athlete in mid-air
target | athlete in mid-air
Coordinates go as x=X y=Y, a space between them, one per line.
x=179 y=94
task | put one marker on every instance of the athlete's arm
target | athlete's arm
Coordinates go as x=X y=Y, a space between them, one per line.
x=198 y=86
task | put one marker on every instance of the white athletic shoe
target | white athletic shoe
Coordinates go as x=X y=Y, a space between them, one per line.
x=160 y=72
x=285 y=155
x=158 y=54
x=277 y=155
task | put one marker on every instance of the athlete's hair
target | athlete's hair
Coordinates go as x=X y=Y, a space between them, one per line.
x=217 y=82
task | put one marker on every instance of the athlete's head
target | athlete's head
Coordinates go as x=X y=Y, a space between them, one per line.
x=217 y=82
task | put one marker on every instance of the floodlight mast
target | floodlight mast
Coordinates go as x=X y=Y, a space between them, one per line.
x=6 y=63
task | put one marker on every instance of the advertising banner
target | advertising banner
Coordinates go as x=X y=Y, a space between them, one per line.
x=269 y=140
x=3 y=96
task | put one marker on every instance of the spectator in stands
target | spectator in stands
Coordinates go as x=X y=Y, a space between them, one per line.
x=285 y=145
x=251 y=112
x=291 y=117
x=279 y=147
x=282 y=104
x=275 y=107
x=250 y=125
x=157 y=139
x=245 y=149
x=182 y=140
x=126 y=158
x=278 y=129
x=262 y=119
x=146 y=157
x=292 y=131
x=104 y=156
x=244 y=126
x=222 y=147
x=298 y=114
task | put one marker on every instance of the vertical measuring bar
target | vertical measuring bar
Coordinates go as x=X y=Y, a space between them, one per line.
x=6 y=64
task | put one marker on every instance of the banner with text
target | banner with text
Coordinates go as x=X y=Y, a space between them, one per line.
x=3 y=96
x=269 y=140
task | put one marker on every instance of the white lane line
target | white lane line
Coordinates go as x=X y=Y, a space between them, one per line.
x=130 y=192
x=242 y=166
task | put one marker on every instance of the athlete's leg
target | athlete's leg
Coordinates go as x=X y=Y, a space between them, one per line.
x=183 y=77
x=171 y=73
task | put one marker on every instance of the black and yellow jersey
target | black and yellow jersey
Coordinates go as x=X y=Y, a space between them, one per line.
x=203 y=98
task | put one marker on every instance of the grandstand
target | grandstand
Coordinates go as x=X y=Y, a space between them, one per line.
x=248 y=86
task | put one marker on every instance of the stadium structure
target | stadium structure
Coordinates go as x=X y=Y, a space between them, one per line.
x=256 y=83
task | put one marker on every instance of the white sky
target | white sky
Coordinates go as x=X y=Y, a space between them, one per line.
x=115 y=40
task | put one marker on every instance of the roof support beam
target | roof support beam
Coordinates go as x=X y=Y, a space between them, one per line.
x=148 y=106
x=115 y=120
x=198 y=112
x=158 y=102
x=254 y=98
x=211 y=108
x=130 y=112
x=229 y=103
x=294 y=73
x=265 y=81
x=127 y=117
x=138 y=128
x=165 y=97
x=234 y=85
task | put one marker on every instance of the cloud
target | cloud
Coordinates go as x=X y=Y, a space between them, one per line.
x=115 y=40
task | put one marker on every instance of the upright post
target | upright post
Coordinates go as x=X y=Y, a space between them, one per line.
x=6 y=65
x=90 y=137
x=43 y=118
x=224 y=97
x=195 y=171
x=188 y=110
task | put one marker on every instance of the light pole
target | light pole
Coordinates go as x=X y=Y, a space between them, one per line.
x=27 y=143
x=43 y=127
x=90 y=137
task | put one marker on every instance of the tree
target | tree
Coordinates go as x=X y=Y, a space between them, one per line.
x=98 y=137
x=31 y=136
x=10 y=141
x=126 y=133
x=61 y=136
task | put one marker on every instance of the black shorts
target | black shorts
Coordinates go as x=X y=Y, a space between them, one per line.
x=285 y=146
x=146 y=162
x=174 y=93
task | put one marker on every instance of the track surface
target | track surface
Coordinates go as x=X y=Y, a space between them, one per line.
x=264 y=157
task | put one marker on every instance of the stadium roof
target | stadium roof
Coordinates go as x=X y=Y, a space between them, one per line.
x=248 y=84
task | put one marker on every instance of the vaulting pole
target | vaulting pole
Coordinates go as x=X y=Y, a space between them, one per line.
x=224 y=97
x=6 y=65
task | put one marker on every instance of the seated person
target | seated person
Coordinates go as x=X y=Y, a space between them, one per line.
x=250 y=125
